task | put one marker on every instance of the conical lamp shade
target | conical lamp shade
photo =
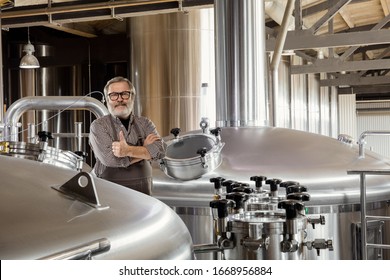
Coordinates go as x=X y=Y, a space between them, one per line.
x=29 y=61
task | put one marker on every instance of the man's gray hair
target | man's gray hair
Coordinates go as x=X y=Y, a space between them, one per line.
x=116 y=80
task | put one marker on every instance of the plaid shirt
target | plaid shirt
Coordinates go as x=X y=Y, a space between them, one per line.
x=101 y=138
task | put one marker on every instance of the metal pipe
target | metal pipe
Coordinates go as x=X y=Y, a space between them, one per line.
x=22 y=105
x=2 y=107
x=363 y=209
x=84 y=251
x=276 y=57
x=240 y=67
x=206 y=248
x=282 y=35
x=31 y=135
x=78 y=135
x=362 y=136
x=363 y=214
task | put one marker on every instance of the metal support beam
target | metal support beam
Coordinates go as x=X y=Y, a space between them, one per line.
x=355 y=80
x=329 y=15
x=334 y=65
x=301 y=40
x=378 y=26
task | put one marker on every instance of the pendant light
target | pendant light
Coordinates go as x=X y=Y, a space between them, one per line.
x=29 y=61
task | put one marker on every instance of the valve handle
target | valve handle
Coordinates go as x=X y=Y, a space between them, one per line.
x=202 y=152
x=44 y=136
x=273 y=183
x=314 y=221
x=300 y=196
x=222 y=206
x=175 y=131
x=295 y=189
x=216 y=131
x=286 y=184
x=217 y=182
x=229 y=184
x=258 y=180
x=243 y=189
x=82 y=154
x=239 y=199
x=292 y=208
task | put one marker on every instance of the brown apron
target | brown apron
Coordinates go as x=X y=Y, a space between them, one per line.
x=137 y=176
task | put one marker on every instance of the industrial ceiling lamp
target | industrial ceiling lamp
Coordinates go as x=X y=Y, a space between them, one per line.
x=29 y=61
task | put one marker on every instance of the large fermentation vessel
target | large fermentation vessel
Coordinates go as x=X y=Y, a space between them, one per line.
x=319 y=163
x=52 y=212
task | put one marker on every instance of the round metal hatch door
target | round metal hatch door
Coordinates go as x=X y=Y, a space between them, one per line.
x=191 y=156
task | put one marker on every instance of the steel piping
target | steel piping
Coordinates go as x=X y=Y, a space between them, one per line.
x=24 y=104
x=362 y=136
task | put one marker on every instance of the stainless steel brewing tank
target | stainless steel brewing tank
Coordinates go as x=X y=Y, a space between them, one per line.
x=318 y=162
x=39 y=222
x=43 y=153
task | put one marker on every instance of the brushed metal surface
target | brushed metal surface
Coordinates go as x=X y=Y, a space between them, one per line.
x=38 y=221
x=172 y=58
x=318 y=162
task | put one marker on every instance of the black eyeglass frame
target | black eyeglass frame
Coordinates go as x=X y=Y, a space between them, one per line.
x=113 y=96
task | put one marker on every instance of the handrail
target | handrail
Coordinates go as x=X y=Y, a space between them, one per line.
x=16 y=110
x=363 y=210
x=83 y=252
x=362 y=136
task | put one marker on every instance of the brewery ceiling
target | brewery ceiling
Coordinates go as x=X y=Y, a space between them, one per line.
x=349 y=40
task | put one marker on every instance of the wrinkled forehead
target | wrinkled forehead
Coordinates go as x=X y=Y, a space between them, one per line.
x=118 y=87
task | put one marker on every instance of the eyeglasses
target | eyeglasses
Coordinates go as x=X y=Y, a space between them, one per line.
x=124 y=94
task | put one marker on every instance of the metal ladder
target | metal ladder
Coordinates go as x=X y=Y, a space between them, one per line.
x=364 y=218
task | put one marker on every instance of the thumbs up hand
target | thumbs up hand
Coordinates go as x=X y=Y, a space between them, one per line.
x=120 y=148
x=121 y=136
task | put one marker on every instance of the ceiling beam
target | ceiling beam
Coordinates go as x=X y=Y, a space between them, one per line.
x=347 y=18
x=372 y=90
x=69 y=28
x=329 y=15
x=300 y=40
x=334 y=65
x=378 y=26
x=34 y=15
x=355 y=80
x=385 y=6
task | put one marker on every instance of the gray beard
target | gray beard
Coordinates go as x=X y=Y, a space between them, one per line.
x=124 y=114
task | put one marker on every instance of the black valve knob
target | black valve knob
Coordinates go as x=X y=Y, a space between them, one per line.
x=44 y=136
x=229 y=184
x=295 y=189
x=217 y=182
x=216 y=131
x=82 y=154
x=300 y=196
x=202 y=152
x=292 y=208
x=243 y=189
x=236 y=185
x=239 y=198
x=175 y=131
x=258 y=181
x=286 y=184
x=273 y=183
x=222 y=207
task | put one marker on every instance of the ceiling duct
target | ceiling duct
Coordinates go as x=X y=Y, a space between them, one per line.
x=241 y=77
